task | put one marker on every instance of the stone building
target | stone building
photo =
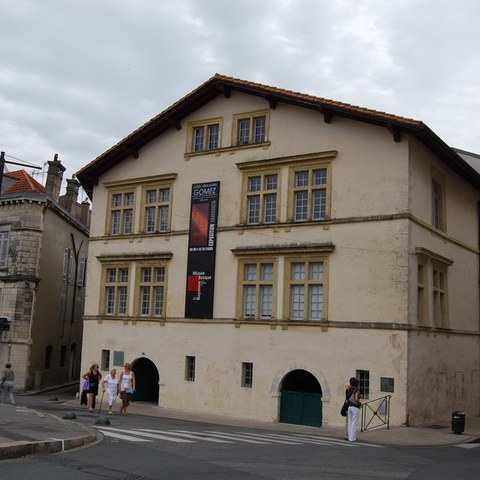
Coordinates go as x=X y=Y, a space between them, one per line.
x=43 y=251
x=252 y=248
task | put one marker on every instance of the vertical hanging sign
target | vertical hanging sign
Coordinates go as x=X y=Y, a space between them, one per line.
x=201 y=250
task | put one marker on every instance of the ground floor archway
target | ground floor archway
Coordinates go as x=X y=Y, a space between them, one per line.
x=146 y=381
x=301 y=399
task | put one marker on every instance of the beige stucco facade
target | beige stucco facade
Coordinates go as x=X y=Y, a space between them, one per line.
x=378 y=224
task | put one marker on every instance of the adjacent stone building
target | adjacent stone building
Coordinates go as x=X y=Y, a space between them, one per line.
x=252 y=248
x=43 y=251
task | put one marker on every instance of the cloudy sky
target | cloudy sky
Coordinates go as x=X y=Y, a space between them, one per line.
x=76 y=76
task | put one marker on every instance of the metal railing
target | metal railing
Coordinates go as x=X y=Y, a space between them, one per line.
x=376 y=413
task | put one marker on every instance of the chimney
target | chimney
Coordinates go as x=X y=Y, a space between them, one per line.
x=54 y=178
x=70 y=201
x=85 y=213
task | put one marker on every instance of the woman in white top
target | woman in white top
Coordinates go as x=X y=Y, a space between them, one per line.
x=126 y=386
x=110 y=385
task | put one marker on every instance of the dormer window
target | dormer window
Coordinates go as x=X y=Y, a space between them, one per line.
x=250 y=128
x=204 y=135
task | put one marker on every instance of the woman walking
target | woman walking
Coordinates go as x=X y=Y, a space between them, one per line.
x=126 y=386
x=8 y=382
x=93 y=376
x=110 y=385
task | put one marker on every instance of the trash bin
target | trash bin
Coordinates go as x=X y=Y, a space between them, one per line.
x=458 y=422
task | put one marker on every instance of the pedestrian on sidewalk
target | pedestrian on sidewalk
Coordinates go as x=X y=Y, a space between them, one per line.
x=126 y=386
x=93 y=376
x=110 y=386
x=353 y=395
x=8 y=382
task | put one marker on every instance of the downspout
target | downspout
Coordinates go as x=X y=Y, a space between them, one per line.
x=478 y=297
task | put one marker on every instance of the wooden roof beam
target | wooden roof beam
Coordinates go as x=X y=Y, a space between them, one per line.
x=327 y=114
x=174 y=122
x=395 y=131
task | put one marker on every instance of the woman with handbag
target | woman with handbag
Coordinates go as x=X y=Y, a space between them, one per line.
x=352 y=393
x=93 y=376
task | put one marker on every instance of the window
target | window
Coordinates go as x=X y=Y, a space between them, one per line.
x=3 y=249
x=258 y=290
x=82 y=266
x=432 y=288
x=190 y=369
x=151 y=285
x=116 y=290
x=306 y=289
x=63 y=355
x=67 y=264
x=121 y=213
x=204 y=135
x=157 y=209
x=421 y=298
x=310 y=193
x=438 y=200
x=363 y=377
x=105 y=360
x=439 y=300
x=250 y=128
x=48 y=357
x=118 y=357
x=247 y=374
x=261 y=198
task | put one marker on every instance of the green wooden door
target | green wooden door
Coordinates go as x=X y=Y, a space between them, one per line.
x=301 y=408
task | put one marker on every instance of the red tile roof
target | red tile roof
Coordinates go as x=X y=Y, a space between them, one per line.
x=24 y=183
x=220 y=84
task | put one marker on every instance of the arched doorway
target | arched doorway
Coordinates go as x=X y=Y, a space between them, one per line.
x=146 y=381
x=301 y=399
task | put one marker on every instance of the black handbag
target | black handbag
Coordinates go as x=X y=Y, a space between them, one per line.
x=343 y=411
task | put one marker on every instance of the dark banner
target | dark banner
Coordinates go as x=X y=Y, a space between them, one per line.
x=201 y=250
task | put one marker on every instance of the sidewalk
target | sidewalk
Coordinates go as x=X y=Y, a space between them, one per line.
x=24 y=431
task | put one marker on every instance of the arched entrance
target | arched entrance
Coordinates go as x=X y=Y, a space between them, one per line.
x=301 y=399
x=146 y=381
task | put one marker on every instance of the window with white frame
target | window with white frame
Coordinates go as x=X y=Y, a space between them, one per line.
x=251 y=128
x=105 y=360
x=363 y=376
x=310 y=193
x=306 y=289
x=121 y=213
x=3 y=249
x=151 y=285
x=157 y=209
x=261 y=198
x=258 y=290
x=116 y=290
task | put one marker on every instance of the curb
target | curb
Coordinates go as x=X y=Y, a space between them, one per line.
x=24 y=448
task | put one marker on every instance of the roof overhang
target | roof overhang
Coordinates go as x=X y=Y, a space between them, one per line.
x=221 y=85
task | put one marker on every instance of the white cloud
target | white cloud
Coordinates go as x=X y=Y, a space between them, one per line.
x=76 y=76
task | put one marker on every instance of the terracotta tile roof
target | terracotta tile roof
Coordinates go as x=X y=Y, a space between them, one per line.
x=303 y=97
x=23 y=183
x=221 y=84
